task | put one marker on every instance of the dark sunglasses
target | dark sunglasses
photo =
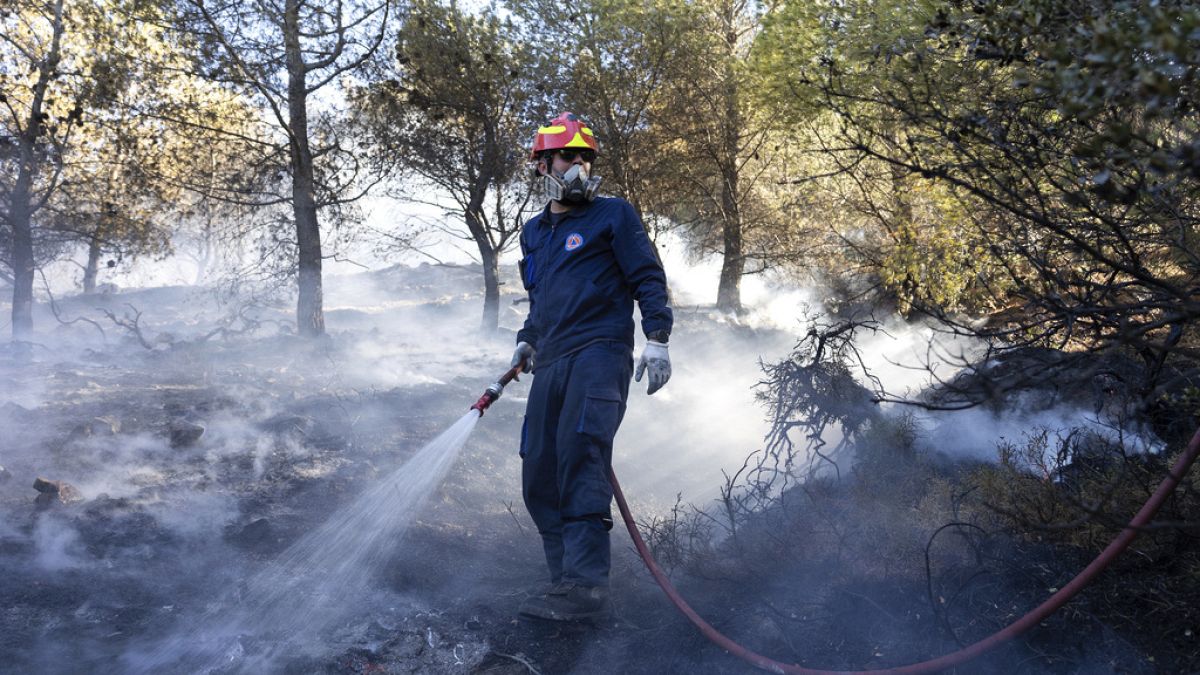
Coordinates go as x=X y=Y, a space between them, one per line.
x=568 y=155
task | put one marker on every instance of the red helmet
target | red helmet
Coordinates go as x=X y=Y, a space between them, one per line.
x=565 y=131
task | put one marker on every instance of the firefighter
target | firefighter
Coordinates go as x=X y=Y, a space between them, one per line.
x=585 y=260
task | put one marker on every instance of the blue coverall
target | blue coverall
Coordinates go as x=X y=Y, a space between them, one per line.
x=583 y=270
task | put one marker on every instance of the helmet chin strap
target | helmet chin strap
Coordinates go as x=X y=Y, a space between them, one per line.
x=574 y=186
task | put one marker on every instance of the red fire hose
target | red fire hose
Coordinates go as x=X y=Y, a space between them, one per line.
x=1052 y=604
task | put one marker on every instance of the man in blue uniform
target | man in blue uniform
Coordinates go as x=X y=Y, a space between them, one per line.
x=585 y=260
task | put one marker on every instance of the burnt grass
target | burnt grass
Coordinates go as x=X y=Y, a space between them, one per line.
x=835 y=576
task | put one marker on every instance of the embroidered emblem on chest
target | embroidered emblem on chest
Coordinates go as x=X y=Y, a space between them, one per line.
x=574 y=241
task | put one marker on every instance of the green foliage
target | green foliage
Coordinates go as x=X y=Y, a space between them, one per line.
x=1055 y=143
x=463 y=96
x=456 y=117
x=615 y=63
x=75 y=94
x=931 y=257
x=668 y=89
x=457 y=114
x=912 y=238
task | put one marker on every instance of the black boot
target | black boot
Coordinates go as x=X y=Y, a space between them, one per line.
x=568 y=602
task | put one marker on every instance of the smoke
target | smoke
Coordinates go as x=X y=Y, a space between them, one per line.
x=769 y=300
x=19 y=389
x=911 y=359
x=118 y=466
x=413 y=326
x=705 y=421
x=976 y=433
x=230 y=437
x=295 y=429
x=405 y=326
x=57 y=545
x=196 y=516
x=8 y=532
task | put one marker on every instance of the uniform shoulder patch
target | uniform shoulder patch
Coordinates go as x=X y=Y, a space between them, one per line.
x=574 y=241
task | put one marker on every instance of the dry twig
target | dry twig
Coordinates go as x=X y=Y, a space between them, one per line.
x=132 y=324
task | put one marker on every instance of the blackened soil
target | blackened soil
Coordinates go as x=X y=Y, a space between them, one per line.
x=166 y=533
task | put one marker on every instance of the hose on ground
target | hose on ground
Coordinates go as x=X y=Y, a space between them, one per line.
x=1029 y=620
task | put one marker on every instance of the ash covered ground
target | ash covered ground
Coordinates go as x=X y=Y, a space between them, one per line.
x=176 y=471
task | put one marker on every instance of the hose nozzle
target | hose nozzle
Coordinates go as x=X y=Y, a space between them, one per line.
x=489 y=397
x=496 y=388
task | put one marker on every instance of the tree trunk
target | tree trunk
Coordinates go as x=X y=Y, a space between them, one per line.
x=310 y=312
x=654 y=250
x=491 y=264
x=491 y=291
x=733 y=264
x=902 y=227
x=22 y=247
x=489 y=254
x=92 y=269
x=21 y=206
x=204 y=258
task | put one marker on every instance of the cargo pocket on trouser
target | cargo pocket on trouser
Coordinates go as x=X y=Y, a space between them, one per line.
x=600 y=417
x=524 y=436
x=598 y=425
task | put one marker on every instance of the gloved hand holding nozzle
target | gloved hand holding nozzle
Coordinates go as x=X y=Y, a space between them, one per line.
x=525 y=352
x=656 y=360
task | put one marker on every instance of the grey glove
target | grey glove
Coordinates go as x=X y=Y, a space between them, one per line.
x=655 y=359
x=524 y=352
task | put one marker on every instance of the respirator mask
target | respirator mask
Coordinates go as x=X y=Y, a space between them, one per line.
x=574 y=186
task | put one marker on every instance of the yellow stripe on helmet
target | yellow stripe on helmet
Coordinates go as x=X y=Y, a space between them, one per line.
x=551 y=130
x=586 y=131
x=578 y=142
